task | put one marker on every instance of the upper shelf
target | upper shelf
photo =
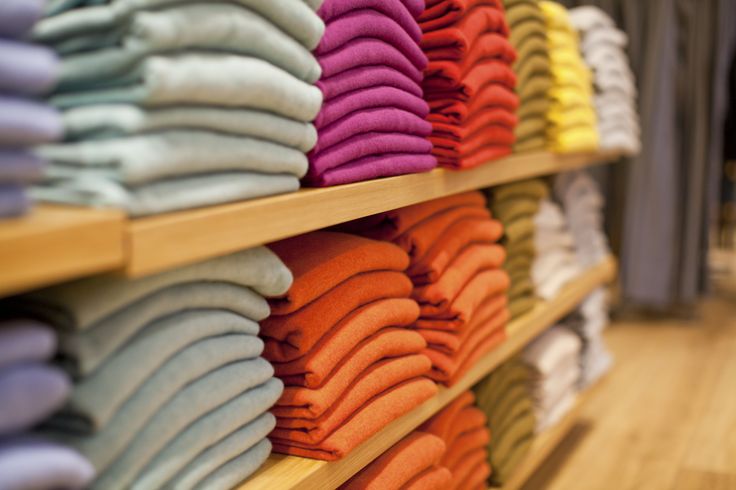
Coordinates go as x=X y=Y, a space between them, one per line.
x=58 y=243
x=292 y=472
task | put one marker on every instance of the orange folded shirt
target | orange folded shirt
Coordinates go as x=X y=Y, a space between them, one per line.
x=468 y=419
x=445 y=79
x=472 y=469
x=467 y=52
x=391 y=224
x=380 y=378
x=492 y=143
x=484 y=285
x=467 y=30
x=405 y=460
x=463 y=112
x=418 y=240
x=371 y=418
x=436 y=298
x=465 y=132
x=452 y=241
x=321 y=260
x=288 y=337
x=478 y=438
x=297 y=401
x=313 y=369
x=435 y=478
x=447 y=12
x=442 y=422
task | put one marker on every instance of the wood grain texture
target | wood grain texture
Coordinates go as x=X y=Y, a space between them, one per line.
x=291 y=472
x=161 y=242
x=58 y=243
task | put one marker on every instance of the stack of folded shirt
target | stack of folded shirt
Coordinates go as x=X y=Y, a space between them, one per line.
x=26 y=71
x=603 y=47
x=464 y=429
x=505 y=399
x=554 y=361
x=556 y=263
x=411 y=464
x=190 y=104
x=373 y=122
x=515 y=205
x=30 y=391
x=342 y=344
x=169 y=387
x=469 y=82
x=456 y=271
x=571 y=116
x=532 y=68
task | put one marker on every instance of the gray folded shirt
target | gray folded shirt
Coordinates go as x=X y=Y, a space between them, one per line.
x=82 y=304
x=225 y=80
x=207 y=27
x=116 y=120
x=295 y=17
x=234 y=419
x=238 y=469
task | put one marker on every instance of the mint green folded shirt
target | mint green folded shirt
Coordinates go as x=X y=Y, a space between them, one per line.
x=295 y=17
x=205 y=27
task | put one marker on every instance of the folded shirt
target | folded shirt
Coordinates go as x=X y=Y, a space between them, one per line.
x=25 y=340
x=369 y=419
x=445 y=79
x=30 y=462
x=370 y=98
x=365 y=77
x=490 y=97
x=375 y=166
x=404 y=461
x=294 y=17
x=447 y=12
x=30 y=392
x=25 y=68
x=206 y=79
x=14 y=201
x=366 y=52
x=19 y=166
x=468 y=30
x=589 y=17
x=24 y=123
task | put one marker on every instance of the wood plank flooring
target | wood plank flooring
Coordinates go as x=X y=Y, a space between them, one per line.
x=666 y=416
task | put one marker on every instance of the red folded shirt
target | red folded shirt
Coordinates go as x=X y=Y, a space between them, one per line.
x=466 y=150
x=492 y=116
x=445 y=79
x=443 y=13
x=455 y=111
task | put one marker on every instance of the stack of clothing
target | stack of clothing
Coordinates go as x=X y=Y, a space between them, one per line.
x=604 y=50
x=556 y=263
x=341 y=341
x=464 y=429
x=457 y=276
x=583 y=204
x=469 y=82
x=515 y=205
x=554 y=361
x=373 y=122
x=187 y=105
x=532 y=68
x=30 y=391
x=505 y=399
x=26 y=71
x=411 y=464
x=572 y=119
x=169 y=389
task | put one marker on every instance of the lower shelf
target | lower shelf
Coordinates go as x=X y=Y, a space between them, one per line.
x=291 y=472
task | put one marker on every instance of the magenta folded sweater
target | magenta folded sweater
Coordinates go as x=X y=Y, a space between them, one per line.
x=364 y=77
x=394 y=9
x=384 y=120
x=359 y=100
x=373 y=167
x=369 y=24
x=367 y=52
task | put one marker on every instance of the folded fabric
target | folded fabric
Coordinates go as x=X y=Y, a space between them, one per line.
x=20 y=166
x=81 y=304
x=370 y=98
x=365 y=422
x=405 y=460
x=314 y=368
x=23 y=122
x=435 y=478
x=492 y=96
x=240 y=416
x=381 y=377
x=375 y=166
x=468 y=52
x=321 y=260
x=25 y=340
x=550 y=348
x=291 y=336
x=447 y=12
x=445 y=79
x=219 y=27
x=28 y=394
x=25 y=68
x=366 y=52
x=235 y=471
x=589 y=17
x=29 y=462
x=206 y=79
x=441 y=424
x=394 y=9
x=14 y=201
x=302 y=402
x=292 y=16
x=365 y=77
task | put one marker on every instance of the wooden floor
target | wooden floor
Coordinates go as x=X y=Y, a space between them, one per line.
x=665 y=417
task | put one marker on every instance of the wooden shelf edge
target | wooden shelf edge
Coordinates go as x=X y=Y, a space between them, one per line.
x=291 y=472
x=162 y=242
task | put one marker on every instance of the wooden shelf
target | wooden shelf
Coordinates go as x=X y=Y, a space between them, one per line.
x=58 y=243
x=162 y=242
x=546 y=442
x=291 y=472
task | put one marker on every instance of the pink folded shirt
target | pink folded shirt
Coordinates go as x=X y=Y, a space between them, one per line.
x=373 y=167
x=370 y=98
x=394 y=9
x=365 y=77
x=367 y=52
